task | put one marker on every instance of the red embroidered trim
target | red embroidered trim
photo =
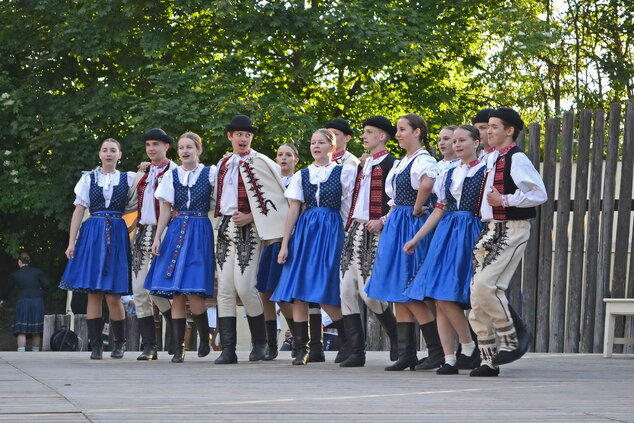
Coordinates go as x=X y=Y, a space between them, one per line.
x=506 y=149
x=338 y=155
x=379 y=154
x=221 y=179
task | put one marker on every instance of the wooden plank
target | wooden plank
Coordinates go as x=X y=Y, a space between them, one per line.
x=81 y=330
x=629 y=321
x=546 y=237
x=49 y=329
x=592 y=227
x=607 y=220
x=575 y=281
x=514 y=291
x=132 y=333
x=560 y=276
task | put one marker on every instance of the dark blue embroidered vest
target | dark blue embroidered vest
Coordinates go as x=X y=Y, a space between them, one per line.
x=470 y=192
x=329 y=191
x=200 y=192
x=119 y=195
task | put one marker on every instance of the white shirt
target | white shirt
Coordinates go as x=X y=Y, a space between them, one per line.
x=348 y=159
x=424 y=165
x=319 y=174
x=531 y=191
x=362 y=206
x=229 y=197
x=460 y=172
x=165 y=190
x=447 y=164
x=286 y=180
x=107 y=181
x=148 y=211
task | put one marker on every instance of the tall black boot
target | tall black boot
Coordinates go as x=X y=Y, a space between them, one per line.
x=406 y=332
x=301 y=338
x=170 y=344
x=344 y=350
x=118 y=331
x=228 y=340
x=148 y=336
x=95 y=327
x=388 y=321
x=257 y=326
x=291 y=327
x=356 y=341
x=436 y=357
x=178 y=334
x=271 y=338
x=316 y=343
x=202 y=325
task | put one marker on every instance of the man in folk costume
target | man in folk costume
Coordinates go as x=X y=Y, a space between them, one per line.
x=157 y=142
x=252 y=209
x=510 y=191
x=365 y=221
x=343 y=135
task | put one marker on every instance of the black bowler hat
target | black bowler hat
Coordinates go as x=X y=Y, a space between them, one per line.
x=381 y=122
x=241 y=123
x=482 y=116
x=157 y=134
x=340 y=124
x=509 y=116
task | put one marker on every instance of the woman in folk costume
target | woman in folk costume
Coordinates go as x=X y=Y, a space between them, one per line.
x=445 y=145
x=446 y=273
x=99 y=257
x=409 y=184
x=251 y=208
x=270 y=270
x=312 y=256
x=183 y=268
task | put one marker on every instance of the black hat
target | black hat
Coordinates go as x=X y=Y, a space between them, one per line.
x=482 y=116
x=509 y=116
x=381 y=122
x=340 y=124
x=241 y=123
x=157 y=134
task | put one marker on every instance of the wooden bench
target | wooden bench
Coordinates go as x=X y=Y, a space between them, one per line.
x=615 y=307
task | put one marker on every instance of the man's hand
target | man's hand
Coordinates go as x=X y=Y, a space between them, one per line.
x=494 y=197
x=374 y=226
x=242 y=219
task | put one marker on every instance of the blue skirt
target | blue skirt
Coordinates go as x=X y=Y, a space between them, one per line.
x=447 y=270
x=270 y=270
x=29 y=316
x=185 y=264
x=311 y=271
x=393 y=269
x=102 y=258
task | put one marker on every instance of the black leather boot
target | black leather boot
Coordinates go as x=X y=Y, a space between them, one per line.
x=406 y=332
x=178 y=334
x=95 y=327
x=170 y=343
x=436 y=356
x=356 y=341
x=118 y=332
x=148 y=337
x=388 y=321
x=228 y=339
x=271 y=339
x=316 y=343
x=257 y=326
x=344 y=350
x=202 y=325
x=301 y=338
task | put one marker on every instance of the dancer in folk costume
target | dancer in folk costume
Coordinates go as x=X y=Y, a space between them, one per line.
x=365 y=222
x=99 y=257
x=251 y=206
x=183 y=268
x=445 y=276
x=157 y=143
x=312 y=257
x=481 y=121
x=445 y=145
x=511 y=190
x=270 y=270
x=409 y=185
x=343 y=135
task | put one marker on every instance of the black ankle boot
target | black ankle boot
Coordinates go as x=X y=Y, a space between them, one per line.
x=388 y=321
x=95 y=327
x=344 y=350
x=202 y=325
x=301 y=338
x=406 y=332
x=356 y=341
x=271 y=339
x=436 y=356
x=148 y=336
x=169 y=342
x=118 y=332
x=228 y=339
x=257 y=327
x=316 y=343
x=178 y=334
x=291 y=327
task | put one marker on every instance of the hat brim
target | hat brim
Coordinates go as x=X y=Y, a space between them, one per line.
x=231 y=128
x=165 y=138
